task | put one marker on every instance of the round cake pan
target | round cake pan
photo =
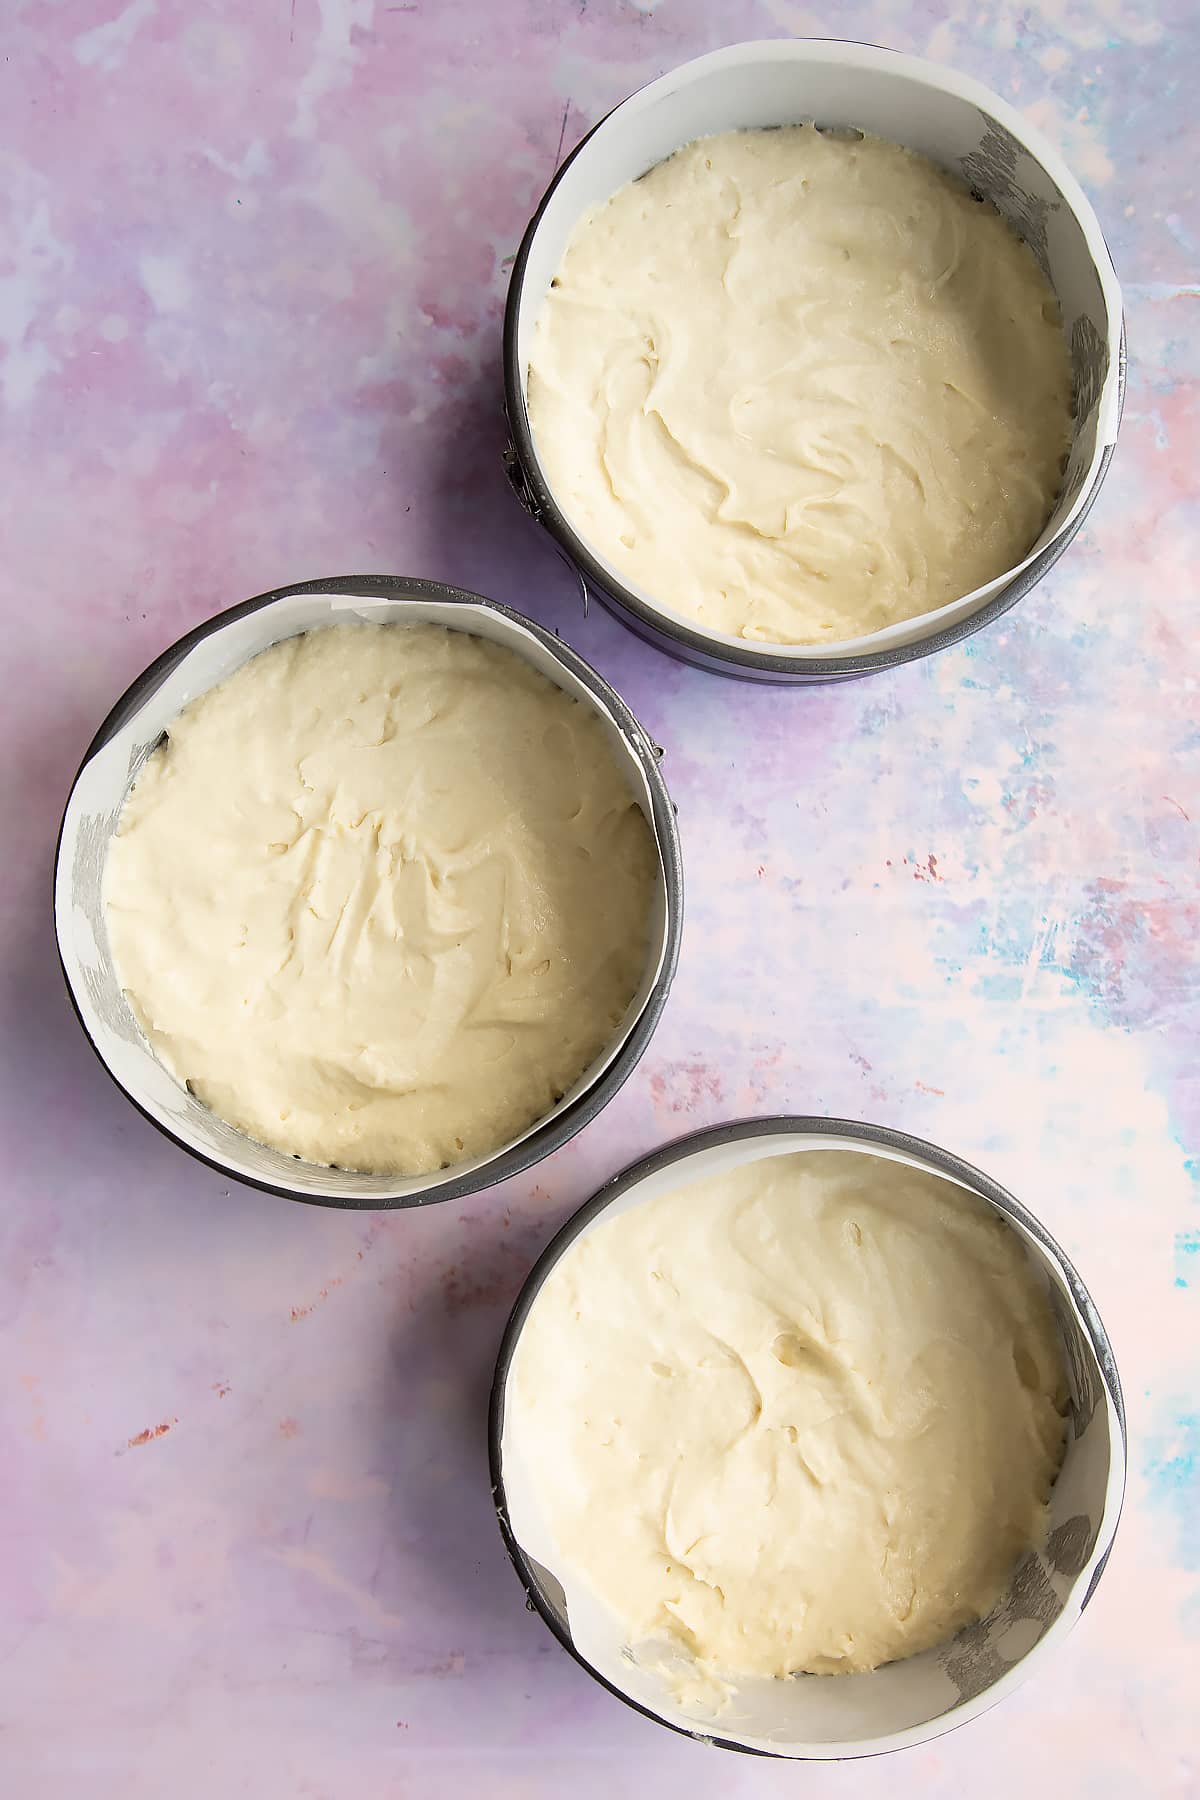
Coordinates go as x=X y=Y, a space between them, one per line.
x=959 y=125
x=198 y=662
x=904 y=1702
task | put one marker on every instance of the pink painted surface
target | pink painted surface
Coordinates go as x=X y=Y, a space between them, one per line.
x=252 y=268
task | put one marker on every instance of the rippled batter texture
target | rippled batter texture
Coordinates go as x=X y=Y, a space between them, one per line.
x=803 y=1416
x=798 y=388
x=382 y=896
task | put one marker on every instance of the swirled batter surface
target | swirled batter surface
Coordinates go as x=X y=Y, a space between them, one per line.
x=803 y=1416
x=382 y=896
x=799 y=388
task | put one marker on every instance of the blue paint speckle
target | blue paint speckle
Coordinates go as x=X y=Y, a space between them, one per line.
x=1172 y=1471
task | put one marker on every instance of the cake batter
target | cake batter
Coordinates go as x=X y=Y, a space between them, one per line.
x=382 y=896
x=803 y=1416
x=798 y=387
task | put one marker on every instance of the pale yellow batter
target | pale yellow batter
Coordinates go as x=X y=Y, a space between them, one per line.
x=804 y=1416
x=382 y=897
x=799 y=388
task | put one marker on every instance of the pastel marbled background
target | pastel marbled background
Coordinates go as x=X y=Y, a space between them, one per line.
x=252 y=269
